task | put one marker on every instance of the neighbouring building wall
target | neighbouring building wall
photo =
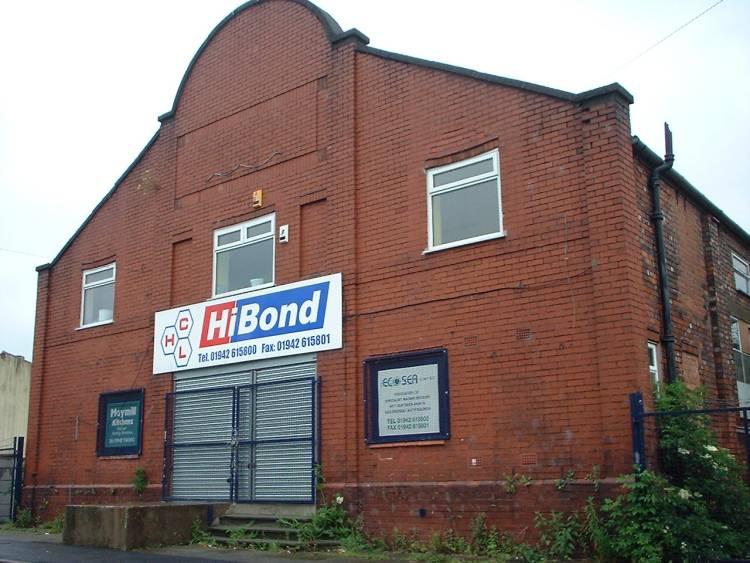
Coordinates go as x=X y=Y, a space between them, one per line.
x=703 y=291
x=15 y=379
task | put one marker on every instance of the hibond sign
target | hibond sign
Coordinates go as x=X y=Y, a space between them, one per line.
x=297 y=318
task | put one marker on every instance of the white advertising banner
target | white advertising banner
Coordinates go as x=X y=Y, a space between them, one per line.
x=297 y=318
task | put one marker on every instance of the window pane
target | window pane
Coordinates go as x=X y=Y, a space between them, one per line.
x=465 y=213
x=228 y=238
x=739 y=265
x=735 y=330
x=98 y=304
x=463 y=172
x=262 y=229
x=245 y=266
x=99 y=276
x=741 y=282
x=739 y=365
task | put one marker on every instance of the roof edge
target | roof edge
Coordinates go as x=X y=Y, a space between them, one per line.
x=689 y=190
x=108 y=195
x=613 y=88
x=333 y=31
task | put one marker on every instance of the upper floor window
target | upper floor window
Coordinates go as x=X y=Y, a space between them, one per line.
x=741 y=348
x=741 y=352
x=463 y=202
x=244 y=256
x=741 y=273
x=98 y=295
x=653 y=362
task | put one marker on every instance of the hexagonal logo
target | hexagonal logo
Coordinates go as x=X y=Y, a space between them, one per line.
x=184 y=323
x=175 y=340
x=182 y=352
x=169 y=340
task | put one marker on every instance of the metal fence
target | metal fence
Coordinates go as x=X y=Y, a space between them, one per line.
x=11 y=479
x=730 y=424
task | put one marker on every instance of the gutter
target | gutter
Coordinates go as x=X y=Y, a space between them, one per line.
x=690 y=191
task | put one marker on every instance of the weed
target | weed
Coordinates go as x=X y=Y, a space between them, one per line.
x=559 y=535
x=330 y=522
x=56 y=525
x=562 y=483
x=199 y=534
x=594 y=477
x=25 y=519
x=140 y=480
x=511 y=482
x=240 y=534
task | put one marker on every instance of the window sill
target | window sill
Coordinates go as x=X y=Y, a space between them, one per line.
x=414 y=443
x=125 y=456
x=466 y=242
x=92 y=325
x=241 y=291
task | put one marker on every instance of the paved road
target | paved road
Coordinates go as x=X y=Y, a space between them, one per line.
x=32 y=547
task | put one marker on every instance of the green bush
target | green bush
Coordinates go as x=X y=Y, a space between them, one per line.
x=559 y=535
x=697 y=508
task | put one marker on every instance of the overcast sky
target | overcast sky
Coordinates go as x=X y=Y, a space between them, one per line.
x=82 y=82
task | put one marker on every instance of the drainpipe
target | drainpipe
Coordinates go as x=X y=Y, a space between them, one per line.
x=657 y=216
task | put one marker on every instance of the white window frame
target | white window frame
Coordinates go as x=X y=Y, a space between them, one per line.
x=461 y=184
x=654 y=368
x=85 y=286
x=744 y=354
x=742 y=366
x=745 y=275
x=245 y=241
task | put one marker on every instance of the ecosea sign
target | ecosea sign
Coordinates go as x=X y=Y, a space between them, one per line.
x=297 y=318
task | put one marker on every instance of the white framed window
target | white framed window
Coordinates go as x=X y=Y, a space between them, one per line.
x=463 y=202
x=244 y=256
x=653 y=363
x=740 y=331
x=741 y=273
x=98 y=296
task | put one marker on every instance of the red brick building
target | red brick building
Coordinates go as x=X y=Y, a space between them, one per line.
x=421 y=278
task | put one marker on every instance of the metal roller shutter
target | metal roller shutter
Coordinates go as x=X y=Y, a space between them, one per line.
x=245 y=436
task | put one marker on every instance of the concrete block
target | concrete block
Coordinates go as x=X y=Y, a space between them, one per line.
x=132 y=526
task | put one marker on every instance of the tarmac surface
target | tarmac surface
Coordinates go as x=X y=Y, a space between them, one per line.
x=38 y=547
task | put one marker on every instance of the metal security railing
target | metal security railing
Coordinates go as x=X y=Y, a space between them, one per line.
x=11 y=479
x=733 y=424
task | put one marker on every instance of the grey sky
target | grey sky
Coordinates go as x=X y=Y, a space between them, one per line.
x=83 y=82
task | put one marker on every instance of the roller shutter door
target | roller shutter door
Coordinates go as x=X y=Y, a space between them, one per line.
x=246 y=436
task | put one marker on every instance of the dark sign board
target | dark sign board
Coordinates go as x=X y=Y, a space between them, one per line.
x=407 y=397
x=120 y=430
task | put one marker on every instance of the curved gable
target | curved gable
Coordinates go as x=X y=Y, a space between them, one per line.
x=255 y=41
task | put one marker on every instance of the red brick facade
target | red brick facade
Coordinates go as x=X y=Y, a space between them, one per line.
x=546 y=327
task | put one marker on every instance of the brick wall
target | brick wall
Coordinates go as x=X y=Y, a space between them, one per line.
x=703 y=295
x=545 y=328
